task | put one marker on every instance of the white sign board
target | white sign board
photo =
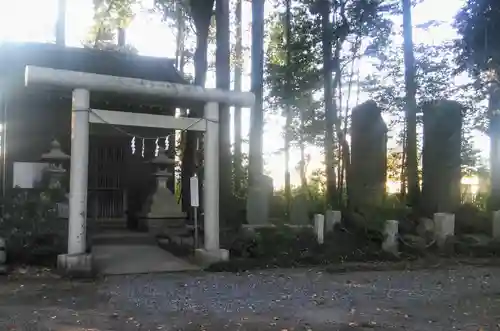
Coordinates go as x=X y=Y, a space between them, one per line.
x=195 y=197
x=27 y=174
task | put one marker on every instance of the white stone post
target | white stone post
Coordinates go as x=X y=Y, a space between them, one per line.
x=391 y=231
x=211 y=180
x=78 y=172
x=495 y=226
x=319 y=227
x=332 y=217
x=444 y=227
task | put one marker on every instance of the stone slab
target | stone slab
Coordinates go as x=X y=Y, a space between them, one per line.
x=332 y=218
x=136 y=259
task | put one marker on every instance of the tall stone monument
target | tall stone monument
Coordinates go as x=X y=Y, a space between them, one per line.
x=258 y=200
x=161 y=212
x=441 y=156
x=368 y=171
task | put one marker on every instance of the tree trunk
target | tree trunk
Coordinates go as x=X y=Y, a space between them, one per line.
x=61 y=23
x=223 y=82
x=327 y=43
x=302 y=165
x=257 y=116
x=237 y=161
x=202 y=15
x=121 y=37
x=289 y=115
x=494 y=133
x=411 y=108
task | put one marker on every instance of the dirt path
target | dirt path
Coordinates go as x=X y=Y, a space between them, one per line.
x=467 y=298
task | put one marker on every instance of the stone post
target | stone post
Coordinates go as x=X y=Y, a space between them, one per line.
x=77 y=261
x=79 y=172
x=332 y=218
x=391 y=231
x=444 y=227
x=495 y=226
x=319 y=227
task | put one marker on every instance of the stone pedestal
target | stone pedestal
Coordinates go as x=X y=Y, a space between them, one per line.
x=332 y=218
x=391 y=231
x=444 y=228
x=319 y=228
x=161 y=209
x=206 y=258
x=75 y=265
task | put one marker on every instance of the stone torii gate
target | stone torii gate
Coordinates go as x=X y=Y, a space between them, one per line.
x=83 y=84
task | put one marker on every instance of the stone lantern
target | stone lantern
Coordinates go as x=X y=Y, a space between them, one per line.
x=161 y=209
x=55 y=158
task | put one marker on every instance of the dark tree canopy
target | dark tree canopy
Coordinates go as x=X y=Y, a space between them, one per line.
x=478 y=24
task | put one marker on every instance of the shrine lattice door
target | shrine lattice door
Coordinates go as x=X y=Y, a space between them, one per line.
x=106 y=182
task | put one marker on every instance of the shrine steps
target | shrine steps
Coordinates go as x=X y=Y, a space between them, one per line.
x=122 y=238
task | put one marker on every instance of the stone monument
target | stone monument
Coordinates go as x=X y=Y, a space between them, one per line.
x=259 y=197
x=161 y=211
x=368 y=171
x=299 y=210
x=441 y=156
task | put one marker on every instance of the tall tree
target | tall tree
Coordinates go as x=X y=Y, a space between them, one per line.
x=61 y=23
x=238 y=70
x=479 y=54
x=293 y=77
x=411 y=107
x=257 y=116
x=288 y=109
x=201 y=12
x=223 y=82
x=327 y=35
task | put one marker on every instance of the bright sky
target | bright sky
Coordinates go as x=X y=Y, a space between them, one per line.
x=152 y=37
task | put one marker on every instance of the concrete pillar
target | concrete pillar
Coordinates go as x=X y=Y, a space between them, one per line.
x=79 y=172
x=495 y=226
x=211 y=177
x=332 y=217
x=319 y=228
x=444 y=227
x=391 y=231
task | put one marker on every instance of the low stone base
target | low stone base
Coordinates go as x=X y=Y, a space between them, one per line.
x=206 y=258
x=75 y=265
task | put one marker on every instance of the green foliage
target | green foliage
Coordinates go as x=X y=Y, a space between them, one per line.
x=478 y=48
x=283 y=246
x=31 y=228
x=109 y=16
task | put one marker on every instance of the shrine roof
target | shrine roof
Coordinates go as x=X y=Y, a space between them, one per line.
x=15 y=57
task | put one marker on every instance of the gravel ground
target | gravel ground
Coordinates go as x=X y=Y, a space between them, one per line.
x=467 y=298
